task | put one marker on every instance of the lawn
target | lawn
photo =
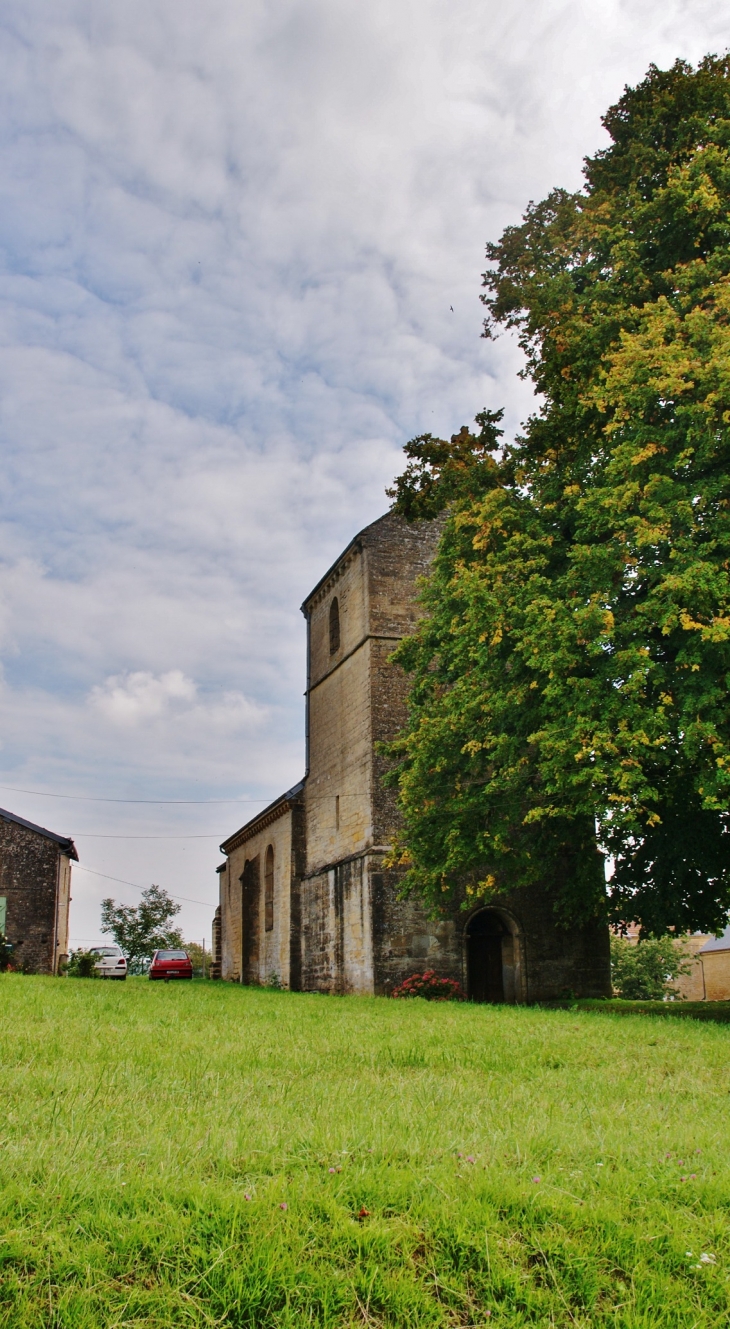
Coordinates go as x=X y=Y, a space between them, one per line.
x=204 y=1154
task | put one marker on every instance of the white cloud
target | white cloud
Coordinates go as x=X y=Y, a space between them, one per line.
x=230 y=239
x=128 y=698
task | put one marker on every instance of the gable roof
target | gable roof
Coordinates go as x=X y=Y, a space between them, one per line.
x=721 y=943
x=263 y=819
x=66 y=844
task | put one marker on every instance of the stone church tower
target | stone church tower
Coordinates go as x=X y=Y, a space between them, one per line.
x=304 y=894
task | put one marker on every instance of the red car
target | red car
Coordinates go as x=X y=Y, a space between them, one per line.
x=171 y=964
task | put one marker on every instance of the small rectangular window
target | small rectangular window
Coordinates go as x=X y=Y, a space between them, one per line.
x=3 y=913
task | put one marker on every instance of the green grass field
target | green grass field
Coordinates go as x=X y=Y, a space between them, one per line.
x=204 y=1154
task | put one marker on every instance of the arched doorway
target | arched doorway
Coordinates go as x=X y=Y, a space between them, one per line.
x=491 y=958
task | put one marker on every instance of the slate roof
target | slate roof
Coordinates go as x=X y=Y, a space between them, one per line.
x=721 y=943
x=67 y=845
x=262 y=819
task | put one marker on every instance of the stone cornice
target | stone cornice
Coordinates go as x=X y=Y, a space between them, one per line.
x=369 y=636
x=332 y=576
x=264 y=819
x=376 y=850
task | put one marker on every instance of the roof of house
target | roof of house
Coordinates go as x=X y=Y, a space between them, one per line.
x=66 y=844
x=262 y=819
x=721 y=943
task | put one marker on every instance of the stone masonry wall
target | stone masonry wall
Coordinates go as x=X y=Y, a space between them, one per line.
x=556 y=960
x=230 y=907
x=337 y=794
x=250 y=953
x=553 y=960
x=358 y=698
x=337 y=944
x=29 y=881
x=405 y=940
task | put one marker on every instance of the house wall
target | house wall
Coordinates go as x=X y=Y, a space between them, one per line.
x=62 y=907
x=29 y=872
x=691 y=986
x=716 y=965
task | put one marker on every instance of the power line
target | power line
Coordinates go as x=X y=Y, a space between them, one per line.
x=90 y=798
x=92 y=835
x=122 y=882
x=163 y=802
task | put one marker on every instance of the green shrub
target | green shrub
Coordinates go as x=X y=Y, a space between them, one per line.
x=645 y=970
x=6 y=953
x=81 y=964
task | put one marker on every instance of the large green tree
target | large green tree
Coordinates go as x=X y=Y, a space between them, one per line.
x=573 y=668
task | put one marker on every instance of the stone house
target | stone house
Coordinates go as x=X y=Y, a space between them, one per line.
x=35 y=892
x=305 y=893
x=709 y=967
x=715 y=957
x=689 y=986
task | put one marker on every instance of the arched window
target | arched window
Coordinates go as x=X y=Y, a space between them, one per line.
x=334 y=626
x=269 y=889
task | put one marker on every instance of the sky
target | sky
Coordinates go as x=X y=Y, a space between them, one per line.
x=241 y=249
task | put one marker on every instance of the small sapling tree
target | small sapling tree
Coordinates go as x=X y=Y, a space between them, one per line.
x=142 y=929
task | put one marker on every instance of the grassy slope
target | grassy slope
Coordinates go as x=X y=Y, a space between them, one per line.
x=719 y=1011
x=137 y=1118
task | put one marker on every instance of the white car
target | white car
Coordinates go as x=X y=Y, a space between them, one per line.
x=110 y=962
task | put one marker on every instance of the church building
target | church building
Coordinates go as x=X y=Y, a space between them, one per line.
x=306 y=899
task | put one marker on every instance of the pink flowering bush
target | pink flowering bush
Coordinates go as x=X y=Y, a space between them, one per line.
x=430 y=986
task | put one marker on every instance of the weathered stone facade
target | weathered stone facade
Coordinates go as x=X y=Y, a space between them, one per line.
x=304 y=892
x=35 y=892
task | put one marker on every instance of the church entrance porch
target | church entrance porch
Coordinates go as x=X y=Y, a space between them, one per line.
x=492 y=958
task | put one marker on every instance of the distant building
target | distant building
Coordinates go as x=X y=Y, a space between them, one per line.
x=691 y=986
x=35 y=890
x=306 y=893
x=708 y=964
x=715 y=957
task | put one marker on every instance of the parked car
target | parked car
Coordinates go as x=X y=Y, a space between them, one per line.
x=171 y=964
x=110 y=962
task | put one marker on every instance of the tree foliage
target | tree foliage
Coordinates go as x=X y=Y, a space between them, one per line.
x=573 y=666
x=143 y=929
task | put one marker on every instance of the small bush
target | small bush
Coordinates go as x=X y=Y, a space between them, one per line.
x=6 y=954
x=81 y=965
x=429 y=986
x=645 y=970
